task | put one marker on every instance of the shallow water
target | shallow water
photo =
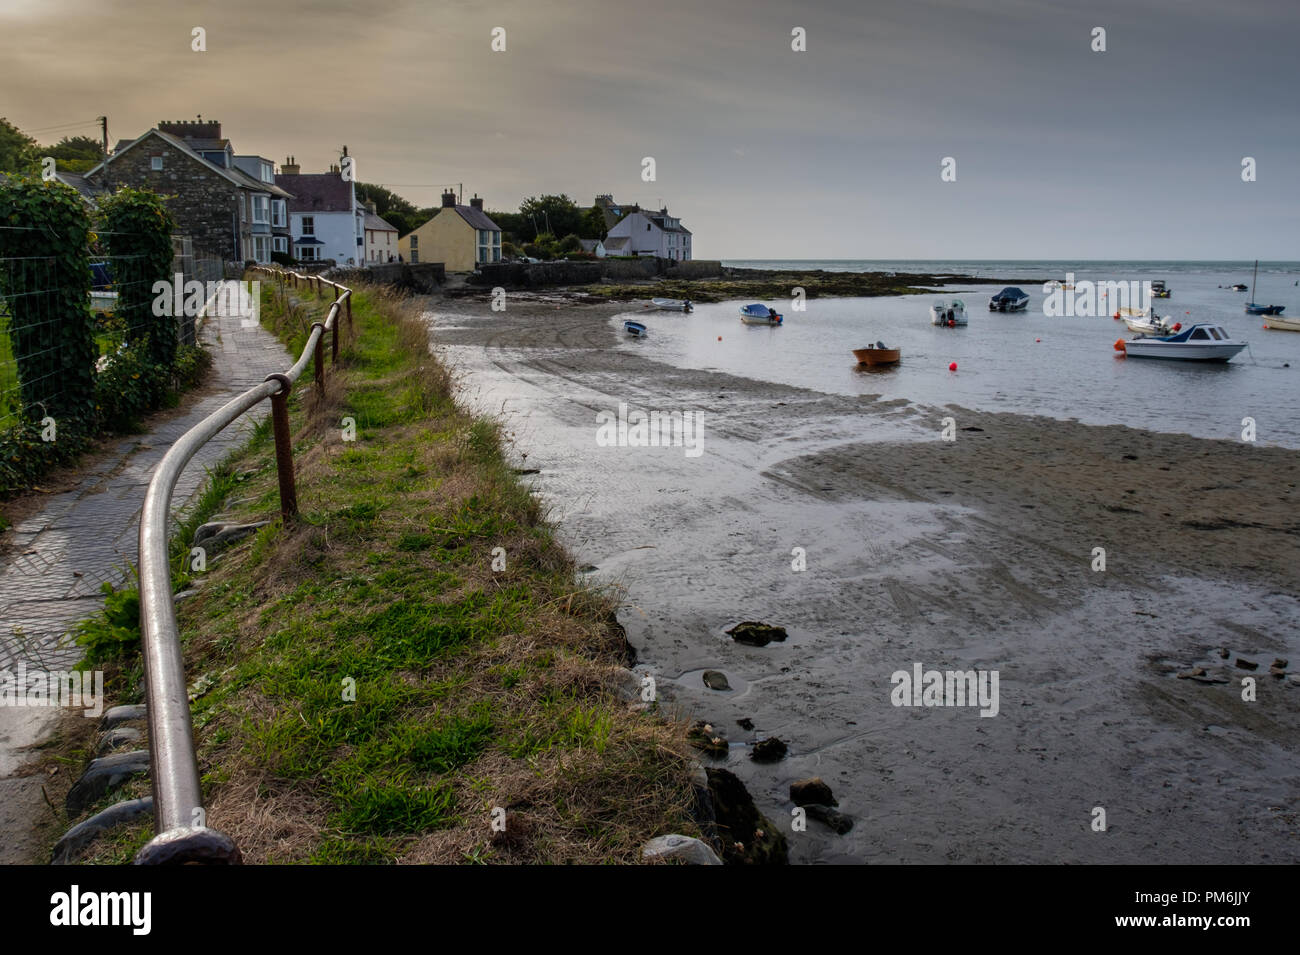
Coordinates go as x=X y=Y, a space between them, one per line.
x=1027 y=363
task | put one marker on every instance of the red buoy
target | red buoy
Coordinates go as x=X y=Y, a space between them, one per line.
x=952 y=366
x=1119 y=345
x=1038 y=339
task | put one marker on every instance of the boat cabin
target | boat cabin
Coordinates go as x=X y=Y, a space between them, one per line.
x=1200 y=333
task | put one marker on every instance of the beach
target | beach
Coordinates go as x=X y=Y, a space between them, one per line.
x=977 y=553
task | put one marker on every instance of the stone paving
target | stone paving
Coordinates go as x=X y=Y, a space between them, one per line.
x=50 y=577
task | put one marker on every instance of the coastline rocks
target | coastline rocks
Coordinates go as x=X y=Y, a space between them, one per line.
x=122 y=714
x=218 y=533
x=836 y=820
x=768 y=750
x=715 y=680
x=677 y=847
x=756 y=634
x=811 y=791
x=1245 y=664
x=118 y=737
x=704 y=736
x=745 y=723
x=102 y=775
x=747 y=837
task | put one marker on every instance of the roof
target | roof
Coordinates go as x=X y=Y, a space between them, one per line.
x=242 y=181
x=658 y=218
x=375 y=224
x=317 y=191
x=83 y=185
x=614 y=243
x=208 y=145
x=589 y=245
x=257 y=184
x=307 y=240
x=476 y=218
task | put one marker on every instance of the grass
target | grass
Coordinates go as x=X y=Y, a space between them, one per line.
x=367 y=688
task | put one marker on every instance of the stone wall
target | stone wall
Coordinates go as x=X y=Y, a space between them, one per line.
x=645 y=267
x=205 y=204
x=695 y=269
x=421 y=277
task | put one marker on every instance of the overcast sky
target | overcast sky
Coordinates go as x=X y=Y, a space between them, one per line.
x=1061 y=152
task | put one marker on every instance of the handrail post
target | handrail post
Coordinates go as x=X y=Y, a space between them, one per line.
x=283 y=447
x=349 y=301
x=334 y=341
x=320 y=356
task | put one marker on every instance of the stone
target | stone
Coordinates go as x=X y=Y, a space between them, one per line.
x=1247 y=664
x=813 y=790
x=626 y=685
x=1223 y=653
x=102 y=775
x=756 y=634
x=745 y=723
x=715 y=680
x=836 y=820
x=677 y=847
x=118 y=738
x=768 y=750
x=1188 y=674
x=84 y=833
x=704 y=736
x=123 y=714
x=747 y=837
x=1280 y=663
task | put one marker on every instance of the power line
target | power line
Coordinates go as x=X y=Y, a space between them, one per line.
x=60 y=126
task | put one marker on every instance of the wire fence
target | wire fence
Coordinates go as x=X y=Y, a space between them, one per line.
x=35 y=296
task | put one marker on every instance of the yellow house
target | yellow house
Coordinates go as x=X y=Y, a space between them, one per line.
x=460 y=237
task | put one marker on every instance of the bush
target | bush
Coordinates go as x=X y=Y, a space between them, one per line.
x=113 y=633
x=192 y=364
x=129 y=387
x=570 y=243
x=283 y=258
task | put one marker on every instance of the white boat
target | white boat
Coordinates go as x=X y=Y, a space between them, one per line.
x=1200 y=342
x=1280 y=324
x=672 y=304
x=760 y=315
x=1145 y=321
x=946 y=313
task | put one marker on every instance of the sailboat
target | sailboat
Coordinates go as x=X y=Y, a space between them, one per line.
x=1252 y=308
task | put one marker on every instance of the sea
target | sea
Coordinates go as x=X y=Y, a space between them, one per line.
x=1029 y=362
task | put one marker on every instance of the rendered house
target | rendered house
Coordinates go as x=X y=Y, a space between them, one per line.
x=460 y=237
x=263 y=170
x=325 y=219
x=381 y=238
x=650 y=233
x=226 y=211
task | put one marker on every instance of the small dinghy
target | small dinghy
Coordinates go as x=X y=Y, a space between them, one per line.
x=635 y=329
x=1252 y=307
x=760 y=315
x=1010 y=299
x=950 y=314
x=1239 y=287
x=672 y=304
x=1279 y=324
x=1144 y=321
x=877 y=354
x=1201 y=342
x=1159 y=290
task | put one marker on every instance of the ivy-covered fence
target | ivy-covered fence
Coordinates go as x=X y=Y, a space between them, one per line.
x=73 y=364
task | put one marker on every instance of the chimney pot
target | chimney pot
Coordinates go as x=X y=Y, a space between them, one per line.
x=448 y=199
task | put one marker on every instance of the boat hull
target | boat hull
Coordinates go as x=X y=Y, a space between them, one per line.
x=759 y=315
x=635 y=329
x=1183 y=351
x=877 y=356
x=671 y=304
x=1253 y=309
x=1279 y=324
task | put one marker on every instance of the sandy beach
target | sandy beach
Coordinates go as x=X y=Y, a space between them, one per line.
x=976 y=553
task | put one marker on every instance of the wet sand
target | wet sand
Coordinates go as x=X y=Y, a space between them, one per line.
x=970 y=554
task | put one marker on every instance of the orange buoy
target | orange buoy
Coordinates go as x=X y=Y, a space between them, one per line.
x=1116 y=316
x=719 y=338
x=952 y=366
x=1119 y=345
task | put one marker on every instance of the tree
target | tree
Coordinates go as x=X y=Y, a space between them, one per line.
x=570 y=243
x=17 y=149
x=593 y=224
x=558 y=215
x=394 y=209
x=78 y=147
x=515 y=227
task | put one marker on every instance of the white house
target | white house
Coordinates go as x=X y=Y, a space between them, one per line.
x=325 y=219
x=650 y=233
x=594 y=246
x=381 y=238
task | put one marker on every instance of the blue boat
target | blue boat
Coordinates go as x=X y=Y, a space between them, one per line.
x=636 y=329
x=1253 y=307
x=1010 y=299
x=760 y=315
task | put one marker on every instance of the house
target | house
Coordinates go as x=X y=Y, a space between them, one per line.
x=225 y=210
x=612 y=210
x=263 y=171
x=461 y=237
x=650 y=233
x=594 y=246
x=381 y=238
x=325 y=219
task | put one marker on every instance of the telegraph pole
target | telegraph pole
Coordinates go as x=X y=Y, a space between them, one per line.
x=103 y=126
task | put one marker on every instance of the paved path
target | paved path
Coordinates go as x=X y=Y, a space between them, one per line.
x=59 y=556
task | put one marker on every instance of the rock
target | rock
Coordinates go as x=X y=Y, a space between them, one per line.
x=216 y=534
x=1223 y=653
x=1280 y=663
x=1188 y=674
x=118 y=738
x=768 y=750
x=756 y=634
x=715 y=680
x=814 y=790
x=102 y=775
x=122 y=714
x=1247 y=664
x=626 y=685
x=82 y=834
x=1210 y=678
x=704 y=736
x=747 y=837
x=833 y=818
x=184 y=594
x=678 y=847
x=745 y=723
x=1277 y=672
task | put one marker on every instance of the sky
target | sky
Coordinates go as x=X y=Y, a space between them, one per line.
x=835 y=151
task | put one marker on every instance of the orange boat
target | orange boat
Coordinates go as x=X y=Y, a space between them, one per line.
x=877 y=354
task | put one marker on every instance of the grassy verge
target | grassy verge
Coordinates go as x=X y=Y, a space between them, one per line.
x=368 y=684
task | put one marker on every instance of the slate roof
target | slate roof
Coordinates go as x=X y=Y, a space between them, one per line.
x=476 y=218
x=235 y=176
x=317 y=192
x=375 y=224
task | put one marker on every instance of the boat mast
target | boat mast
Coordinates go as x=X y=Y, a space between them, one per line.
x=1252 y=282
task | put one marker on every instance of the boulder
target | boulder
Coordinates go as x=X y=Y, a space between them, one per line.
x=768 y=750
x=102 y=775
x=814 y=790
x=122 y=714
x=716 y=680
x=833 y=818
x=681 y=848
x=747 y=837
x=756 y=634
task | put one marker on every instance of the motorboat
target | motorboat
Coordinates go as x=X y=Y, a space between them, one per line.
x=1145 y=321
x=1254 y=308
x=1159 y=290
x=1279 y=324
x=877 y=354
x=635 y=329
x=1010 y=299
x=760 y=315
x=672 y=304
x=951 y=313
x=1239 y=287
x=1200 y=342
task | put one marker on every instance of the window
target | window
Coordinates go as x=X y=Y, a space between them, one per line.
x=309 y=225
x=155 y=163
x=262 y=248
x=489 y=246
x=308 y=253
x=278 y=214
x=268 y=172
x=261 y=209
x=415 y=240
x=415 y=256
x=280 y=243
x=243 y=207
x=1199 y=334
x=647 y=227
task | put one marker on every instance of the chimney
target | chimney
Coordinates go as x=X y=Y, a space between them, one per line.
x=192 y=129
x=448 y=199
x=370 y=206
x=476 y=202
x=289 y=168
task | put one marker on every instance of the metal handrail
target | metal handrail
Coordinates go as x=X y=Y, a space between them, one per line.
x=179 y=819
